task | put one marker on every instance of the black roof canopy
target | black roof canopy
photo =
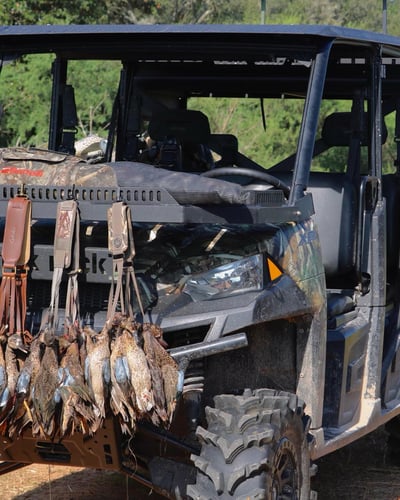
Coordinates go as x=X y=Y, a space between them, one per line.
x=177 y=41
x=212 y=53
x=202 y=57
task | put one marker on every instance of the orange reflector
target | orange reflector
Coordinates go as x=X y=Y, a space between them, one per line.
x=274 y=271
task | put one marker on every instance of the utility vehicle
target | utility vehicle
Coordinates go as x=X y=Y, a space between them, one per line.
x=274 y=278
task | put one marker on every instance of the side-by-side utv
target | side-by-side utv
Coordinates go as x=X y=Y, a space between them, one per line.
x=257 y=291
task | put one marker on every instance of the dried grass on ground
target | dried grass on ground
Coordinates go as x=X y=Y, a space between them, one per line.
x=360 y=471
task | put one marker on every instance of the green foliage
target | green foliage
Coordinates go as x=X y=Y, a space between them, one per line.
x=352 y=13
x=25 y=119
x=389 y=149
x=53 y=11
x=95 y=90
x=202 y=11
x=25 y=91
x=133 y=11
x=244 y=119
x=25 y=87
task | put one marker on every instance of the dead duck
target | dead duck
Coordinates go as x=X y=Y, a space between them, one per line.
x=171 y=375
x=22 y=414
x=157 y=332
x=137 y=367
x=122 y=395
x=160 y=413
x=78 y=409
x=45 y=396
x=9 y=395
x=97 y=369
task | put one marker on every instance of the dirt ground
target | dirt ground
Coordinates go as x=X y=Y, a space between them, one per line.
x=359 y=471
x=53 y=482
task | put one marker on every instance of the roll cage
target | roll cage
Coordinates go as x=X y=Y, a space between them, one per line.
x=313 y=62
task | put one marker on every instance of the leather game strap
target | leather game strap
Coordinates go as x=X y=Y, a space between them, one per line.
x=15 y=255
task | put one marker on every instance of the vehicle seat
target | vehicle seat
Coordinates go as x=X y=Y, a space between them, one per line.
x=335 y=198
x=226 y=146
x=336 y=214
x=181 y=136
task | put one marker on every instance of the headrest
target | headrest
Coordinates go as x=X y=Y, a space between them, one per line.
x=185 y=125
x=226 y=145
x=337 y=130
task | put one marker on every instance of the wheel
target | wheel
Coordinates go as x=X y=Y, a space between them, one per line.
x=255 y=447
x=248 y=172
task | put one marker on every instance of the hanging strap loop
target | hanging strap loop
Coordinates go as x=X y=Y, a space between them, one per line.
x=66 y=257
x=122 y=249
x=130 y=255
x=15 y=254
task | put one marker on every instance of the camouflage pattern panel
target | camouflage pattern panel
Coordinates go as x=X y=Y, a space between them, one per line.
x=30 y=166
x=300 y=257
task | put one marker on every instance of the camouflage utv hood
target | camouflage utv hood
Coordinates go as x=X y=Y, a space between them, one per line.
x=47 y=168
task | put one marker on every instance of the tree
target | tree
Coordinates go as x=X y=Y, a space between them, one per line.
x=25 y=115
x=25 y=100
x=53 y=11
x=184 y=11
x=25 y=109
x=133 y=11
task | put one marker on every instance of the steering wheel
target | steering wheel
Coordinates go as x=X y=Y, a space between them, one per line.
x=248 y=172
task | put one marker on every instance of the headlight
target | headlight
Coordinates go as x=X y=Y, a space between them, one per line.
x=237 y=277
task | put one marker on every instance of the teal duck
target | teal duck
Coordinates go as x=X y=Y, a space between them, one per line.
x=22 y=414
x=45 y=395
x=12 y=371
x=169 y=368
x=122 y=395
x=137 y=367
x=160 y=413
x=97 y=369
x=78 y=408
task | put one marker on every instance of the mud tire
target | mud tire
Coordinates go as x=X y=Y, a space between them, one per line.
x=256 y=446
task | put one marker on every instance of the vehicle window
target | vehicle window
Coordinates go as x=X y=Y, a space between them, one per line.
x=96 y=85
x=243 y=117
x=26 y=109
x=389 y=148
